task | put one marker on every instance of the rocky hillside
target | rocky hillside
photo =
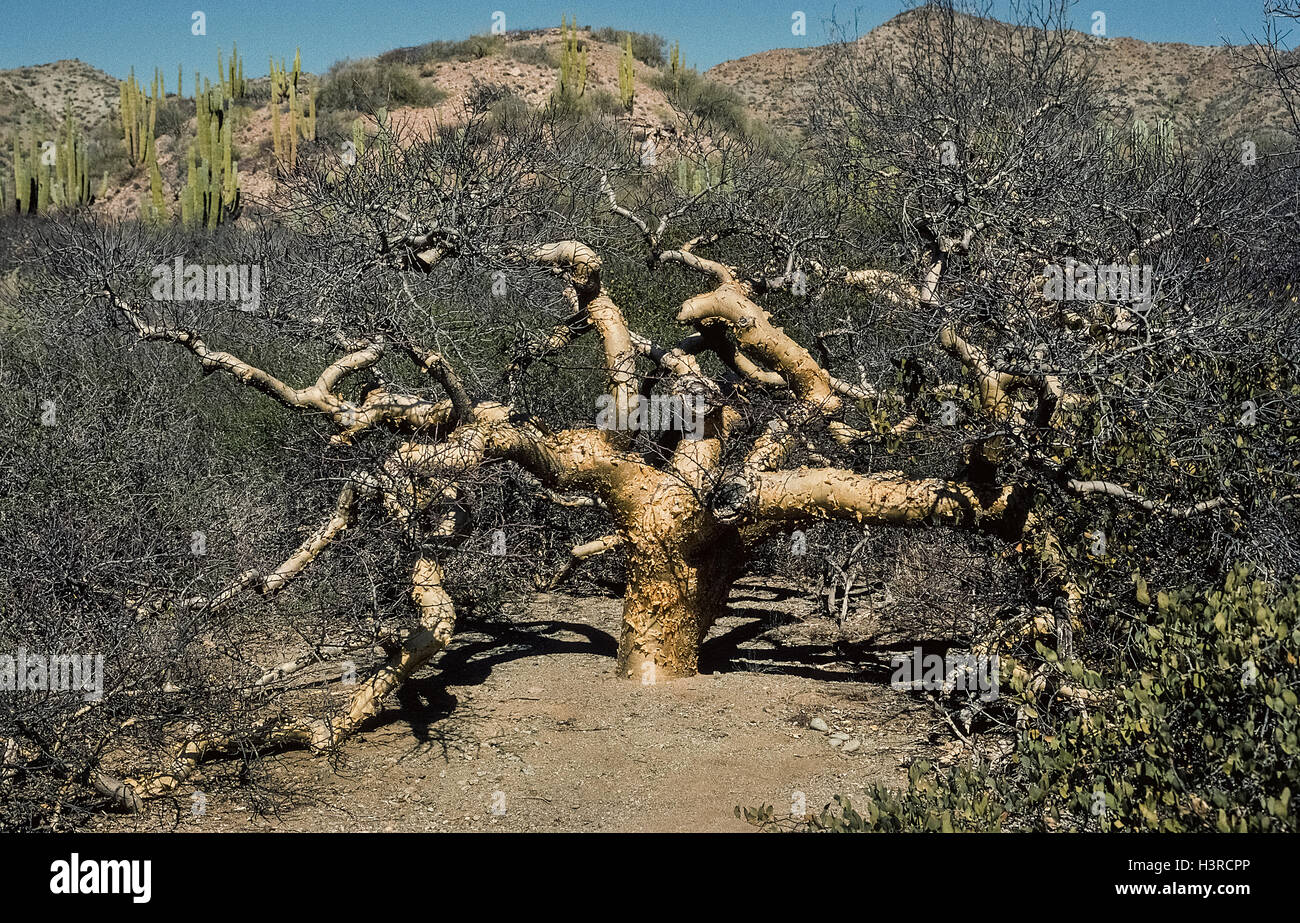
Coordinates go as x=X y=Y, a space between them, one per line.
x=1153 y=80
x=435 y=79
x=31 y=94
x=527 y=63
x=1181 y=83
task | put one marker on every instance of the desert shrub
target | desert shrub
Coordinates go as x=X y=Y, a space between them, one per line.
x=107 y=153
x=368 y=85
x=120 y=470
x=174 y=116
x=334 y=126
x=592 y=105
x=603 y=101
x=714 y=102
x=257 y=90
x=647 y=47
x=507 y=112
x=1197 y=730
x=112 y=467
x=476 y=46
x=540 y=55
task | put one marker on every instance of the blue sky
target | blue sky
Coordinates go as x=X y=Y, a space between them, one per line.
x=116 y=34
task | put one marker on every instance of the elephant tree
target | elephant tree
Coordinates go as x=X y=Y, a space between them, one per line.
x=867 y=332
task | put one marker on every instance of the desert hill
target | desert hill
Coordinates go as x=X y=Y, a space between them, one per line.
x=1183 y=84
x=1153 y=80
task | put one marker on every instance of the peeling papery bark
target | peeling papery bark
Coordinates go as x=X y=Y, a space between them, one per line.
x=620 y=356
x=669 y=608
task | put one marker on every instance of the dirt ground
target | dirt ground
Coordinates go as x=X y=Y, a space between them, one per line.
x=522 y=726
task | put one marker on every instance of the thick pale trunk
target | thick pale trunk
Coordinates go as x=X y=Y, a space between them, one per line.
x=673 y=598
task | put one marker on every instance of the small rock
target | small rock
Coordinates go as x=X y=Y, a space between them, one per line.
x=840 y=736
x=836 y=743
x=817 y=724
x=851 y=745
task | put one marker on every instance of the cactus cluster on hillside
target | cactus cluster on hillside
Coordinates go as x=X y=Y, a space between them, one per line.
x=299 y=121
x=53 y=173
x=231 y=77
x=573 y=60
x=211 y=192
x=212 y=122
x=283 y=81
x=139 y=115
x=627 y=76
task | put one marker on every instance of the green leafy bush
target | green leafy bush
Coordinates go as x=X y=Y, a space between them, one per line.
x=1198 y=732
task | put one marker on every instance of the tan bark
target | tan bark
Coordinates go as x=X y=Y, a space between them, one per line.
x=887 y=499
x=754 y=331
x=575 y=258
x=579 y=554
x=994 y=386
x=318 y=396
x=679 y=573
x=682 y=556
x=437 y=622
x=669 y=609
x=620 y=355
x=889 y=285
x=380 y=407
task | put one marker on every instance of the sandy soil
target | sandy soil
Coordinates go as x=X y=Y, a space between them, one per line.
x=521 y=726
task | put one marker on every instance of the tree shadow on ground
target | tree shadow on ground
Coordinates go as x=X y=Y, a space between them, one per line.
x=765 y=594
x=424 y=700
x=840 y=660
